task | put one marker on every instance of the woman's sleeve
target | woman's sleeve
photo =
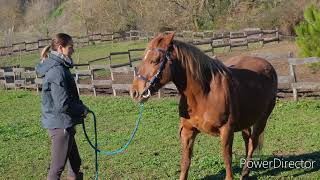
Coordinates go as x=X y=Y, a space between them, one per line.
x=63 y=102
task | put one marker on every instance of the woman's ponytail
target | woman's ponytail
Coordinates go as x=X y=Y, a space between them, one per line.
x=59 y=39
x=44 y=52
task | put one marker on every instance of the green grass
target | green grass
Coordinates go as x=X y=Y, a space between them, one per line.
x=57 y=12
x=85 y=54
x=314 y=67
x=292 y=130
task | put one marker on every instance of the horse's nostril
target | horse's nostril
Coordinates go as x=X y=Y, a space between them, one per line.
x=146 y=93
x=135 y=94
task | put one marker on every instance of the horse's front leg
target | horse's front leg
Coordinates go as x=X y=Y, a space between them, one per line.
x=226 y=134
x=187 y=137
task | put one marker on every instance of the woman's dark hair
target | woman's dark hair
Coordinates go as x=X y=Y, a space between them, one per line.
x=59 y=39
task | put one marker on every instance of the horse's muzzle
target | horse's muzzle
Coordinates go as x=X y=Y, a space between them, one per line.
x=146 y=93
x=135 y=94
x=141 y=97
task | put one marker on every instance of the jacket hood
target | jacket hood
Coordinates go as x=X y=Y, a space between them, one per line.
x=54 y=59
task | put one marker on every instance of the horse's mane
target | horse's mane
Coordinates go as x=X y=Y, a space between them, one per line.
x=199 y=65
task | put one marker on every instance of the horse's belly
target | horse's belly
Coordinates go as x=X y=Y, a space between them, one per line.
x=208 y=124
x=209 y=129
x=252 y=108
x=212 y=130
x=244 y=123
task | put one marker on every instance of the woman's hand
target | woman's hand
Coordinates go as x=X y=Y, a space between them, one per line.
x=85 y=112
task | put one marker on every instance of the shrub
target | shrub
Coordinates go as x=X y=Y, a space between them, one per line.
x=308 y=33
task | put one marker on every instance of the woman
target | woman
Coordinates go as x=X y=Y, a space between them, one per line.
x=61 y=107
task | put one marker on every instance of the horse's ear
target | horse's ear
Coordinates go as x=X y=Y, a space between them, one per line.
x=159 y=35
x=168 y=38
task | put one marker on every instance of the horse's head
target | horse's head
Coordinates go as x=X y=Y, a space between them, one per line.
x=154 y=71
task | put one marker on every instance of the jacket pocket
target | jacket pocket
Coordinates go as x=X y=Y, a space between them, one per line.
x=46 y=86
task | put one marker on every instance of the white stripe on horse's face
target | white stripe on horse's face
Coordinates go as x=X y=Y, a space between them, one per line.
x=144 y=58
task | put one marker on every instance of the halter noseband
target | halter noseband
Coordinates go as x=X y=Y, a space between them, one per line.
x=156 y=78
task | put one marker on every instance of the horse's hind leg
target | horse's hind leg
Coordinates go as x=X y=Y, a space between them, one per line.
x=246 y=133
x=256 y=139
x=248 y=139
x=187 y=137
x=253 y=143
x=227 y=134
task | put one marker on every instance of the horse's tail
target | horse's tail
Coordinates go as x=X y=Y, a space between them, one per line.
x=263 y=124
x=260 y=143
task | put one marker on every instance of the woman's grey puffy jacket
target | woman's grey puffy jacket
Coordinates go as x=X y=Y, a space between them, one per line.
x=61 y=106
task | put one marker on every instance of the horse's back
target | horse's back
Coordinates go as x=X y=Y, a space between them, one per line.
x=252 y=68
x=251 y=63
x=255 y=83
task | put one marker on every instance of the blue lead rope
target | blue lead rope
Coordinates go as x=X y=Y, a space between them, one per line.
x=95 y=145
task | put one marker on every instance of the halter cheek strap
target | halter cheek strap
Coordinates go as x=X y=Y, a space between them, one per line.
x=139 y=76
x=155 y=79
x=163 y=62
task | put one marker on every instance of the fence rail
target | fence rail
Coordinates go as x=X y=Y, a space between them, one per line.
x=106 y=63
x=217 y=39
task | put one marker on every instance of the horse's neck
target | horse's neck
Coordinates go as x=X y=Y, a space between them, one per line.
x=191 y=88
x=185 y=82
x=179 y=76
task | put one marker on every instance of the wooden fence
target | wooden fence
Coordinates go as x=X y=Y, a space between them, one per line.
x=298 y=85
x=215 y=40
x=111 y=64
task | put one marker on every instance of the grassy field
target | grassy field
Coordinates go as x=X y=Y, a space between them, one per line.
x=292 y=131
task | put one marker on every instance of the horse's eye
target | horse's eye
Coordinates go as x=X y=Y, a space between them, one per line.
x=155 y=60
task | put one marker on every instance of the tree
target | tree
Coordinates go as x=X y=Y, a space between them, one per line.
x=10 y=15
x=10 y=20
x=308 y=33
x=37 y=16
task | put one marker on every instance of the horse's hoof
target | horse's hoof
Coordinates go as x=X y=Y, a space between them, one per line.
x=244 y=177
x=245 y=173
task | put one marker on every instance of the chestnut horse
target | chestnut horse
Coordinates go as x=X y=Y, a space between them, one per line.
x=216 y=98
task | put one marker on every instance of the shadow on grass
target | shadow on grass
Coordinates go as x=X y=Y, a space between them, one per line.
x=261 y=172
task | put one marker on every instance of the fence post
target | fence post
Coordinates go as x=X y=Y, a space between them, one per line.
x=293 y=76
x=261 y=39
x=277 y=35
x=25 y=47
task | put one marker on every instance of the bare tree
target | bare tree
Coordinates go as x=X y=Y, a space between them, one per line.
x=36 y=15
x=89 y=13
x=10 y=14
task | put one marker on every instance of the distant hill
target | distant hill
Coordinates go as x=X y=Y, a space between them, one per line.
x=31 y=19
